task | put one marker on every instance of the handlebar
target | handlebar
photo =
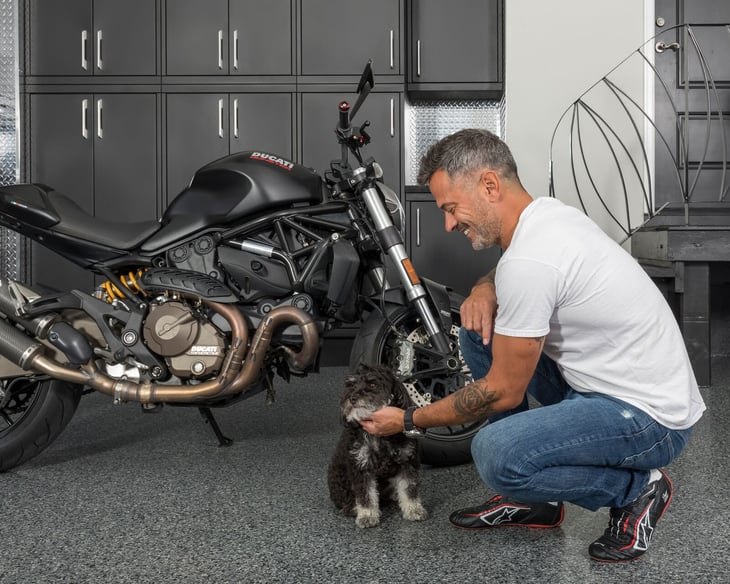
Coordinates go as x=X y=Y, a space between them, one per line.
x=344 y=108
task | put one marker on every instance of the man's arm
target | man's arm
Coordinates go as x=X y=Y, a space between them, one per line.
x=513 y=364
x=480 y=307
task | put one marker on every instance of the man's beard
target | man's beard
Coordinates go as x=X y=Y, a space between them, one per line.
x=484 y=235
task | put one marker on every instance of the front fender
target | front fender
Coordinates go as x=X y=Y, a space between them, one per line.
x=439 y=297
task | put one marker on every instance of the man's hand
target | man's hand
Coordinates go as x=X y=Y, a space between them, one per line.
x=480 y=309
x=384 y=422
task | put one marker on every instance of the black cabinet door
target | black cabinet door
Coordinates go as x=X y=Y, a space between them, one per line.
x=61 y=144
x=260 y=37
x=319 y=145
x=125 y=157
x=61 y=155
x=197 y=133
x=262 y=121
x=196 y=37
x=339 y=36
x=455 y=41
x=61 y=35
x=125 y=37
x=120 y=40
x=442 y=256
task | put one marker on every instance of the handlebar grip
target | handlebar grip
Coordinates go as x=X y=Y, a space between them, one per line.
x=344 y=108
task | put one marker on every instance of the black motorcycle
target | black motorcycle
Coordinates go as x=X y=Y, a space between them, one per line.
x=248 y=268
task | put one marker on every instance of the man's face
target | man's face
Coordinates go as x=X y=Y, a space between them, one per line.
x=467 y=208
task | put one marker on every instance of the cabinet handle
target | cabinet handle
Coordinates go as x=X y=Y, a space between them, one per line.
x=99 y=114
x=392 y=117
x=84 y=59
x=85 y=119
x=235 y=118
x=418 y=58
x=99 y=37
x=220 y=118
x=220 y=49
x=392 y=48
x=235 y=49
x=418 y=227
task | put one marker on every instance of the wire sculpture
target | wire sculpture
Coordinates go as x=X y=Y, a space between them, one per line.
x=607 y=144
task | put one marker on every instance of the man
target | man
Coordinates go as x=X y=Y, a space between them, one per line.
x=570 y=318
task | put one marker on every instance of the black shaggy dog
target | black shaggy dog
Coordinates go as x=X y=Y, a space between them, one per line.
x=366 y=467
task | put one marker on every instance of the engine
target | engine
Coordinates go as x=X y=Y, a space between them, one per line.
x=191 y=345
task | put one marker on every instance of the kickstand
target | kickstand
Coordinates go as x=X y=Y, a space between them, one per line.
x=209 y=419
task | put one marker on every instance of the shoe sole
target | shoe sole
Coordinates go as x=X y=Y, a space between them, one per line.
x=671 y=496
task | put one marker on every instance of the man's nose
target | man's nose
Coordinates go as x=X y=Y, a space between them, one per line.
x=450 y=223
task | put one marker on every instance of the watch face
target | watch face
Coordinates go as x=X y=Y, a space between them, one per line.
x=415 y=433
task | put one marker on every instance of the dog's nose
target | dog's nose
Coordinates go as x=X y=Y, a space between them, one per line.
x=353 y=400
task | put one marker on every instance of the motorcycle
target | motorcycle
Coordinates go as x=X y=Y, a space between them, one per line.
x=249 y=267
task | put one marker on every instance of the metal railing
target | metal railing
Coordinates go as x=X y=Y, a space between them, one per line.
x=651 y=134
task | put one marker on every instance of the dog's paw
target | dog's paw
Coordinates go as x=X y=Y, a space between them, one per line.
x=367 y=518
x=414 y=511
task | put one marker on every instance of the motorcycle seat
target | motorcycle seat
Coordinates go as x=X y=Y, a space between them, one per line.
x=40 y=207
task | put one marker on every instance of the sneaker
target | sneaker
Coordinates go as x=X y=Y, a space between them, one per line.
x=499 y=511
x=630 y=528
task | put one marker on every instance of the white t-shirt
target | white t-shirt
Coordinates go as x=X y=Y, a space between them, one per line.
x=605 y=323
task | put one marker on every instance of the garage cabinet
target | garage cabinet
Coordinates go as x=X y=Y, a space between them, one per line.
x=222 y=37
x=100 y=150
x=455 y=47
x=93 y=37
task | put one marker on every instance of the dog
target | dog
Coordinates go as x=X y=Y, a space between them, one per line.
x=365 y=468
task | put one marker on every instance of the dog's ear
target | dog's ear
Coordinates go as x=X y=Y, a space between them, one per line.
x=401 y=399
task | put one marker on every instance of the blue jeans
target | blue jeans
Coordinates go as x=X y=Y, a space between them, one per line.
x=586 y=448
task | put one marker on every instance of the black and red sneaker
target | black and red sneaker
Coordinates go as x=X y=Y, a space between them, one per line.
x=630 y=528
x=500 y=511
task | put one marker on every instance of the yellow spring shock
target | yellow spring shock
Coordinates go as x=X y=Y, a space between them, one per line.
x=129 y=281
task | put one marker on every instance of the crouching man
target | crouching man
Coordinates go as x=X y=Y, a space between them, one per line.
x=569 y=317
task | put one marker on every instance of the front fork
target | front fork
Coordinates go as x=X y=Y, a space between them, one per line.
x=393 y=244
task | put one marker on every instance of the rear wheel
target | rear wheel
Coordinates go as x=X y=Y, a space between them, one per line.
x=33 y=412
x=402 y=344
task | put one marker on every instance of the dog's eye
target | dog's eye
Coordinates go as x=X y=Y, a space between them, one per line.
x=372 y=386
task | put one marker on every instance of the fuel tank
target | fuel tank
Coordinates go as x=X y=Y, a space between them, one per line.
x=246 y=184
x=242 y=185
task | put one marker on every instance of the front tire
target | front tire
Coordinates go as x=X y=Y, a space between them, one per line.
x=33 y=412
x=401 y=343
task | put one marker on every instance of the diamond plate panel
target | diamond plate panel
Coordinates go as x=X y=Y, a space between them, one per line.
x=9 y=240
x=430 y=120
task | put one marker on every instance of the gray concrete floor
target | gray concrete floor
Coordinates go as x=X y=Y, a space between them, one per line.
x=123 y=496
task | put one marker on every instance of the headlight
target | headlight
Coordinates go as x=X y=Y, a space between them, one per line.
x=394 y=206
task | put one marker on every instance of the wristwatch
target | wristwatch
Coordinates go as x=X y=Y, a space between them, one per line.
x=409 y=428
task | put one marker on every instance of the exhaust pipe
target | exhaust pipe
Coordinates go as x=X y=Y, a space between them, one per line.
x=238 y=372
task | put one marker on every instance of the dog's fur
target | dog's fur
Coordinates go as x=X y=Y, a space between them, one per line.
x=365 y=467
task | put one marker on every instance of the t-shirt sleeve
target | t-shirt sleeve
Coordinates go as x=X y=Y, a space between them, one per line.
x=527 y=294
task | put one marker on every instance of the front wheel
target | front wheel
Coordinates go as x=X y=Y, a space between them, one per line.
x=33 y=411
x=401 y=343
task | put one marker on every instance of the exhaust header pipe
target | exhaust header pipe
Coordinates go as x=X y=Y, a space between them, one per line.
x=238 y=373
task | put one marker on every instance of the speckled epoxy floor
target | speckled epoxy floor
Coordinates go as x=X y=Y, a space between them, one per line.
x=123 y=496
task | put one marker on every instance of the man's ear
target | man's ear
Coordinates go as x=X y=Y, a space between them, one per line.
x=491 y=185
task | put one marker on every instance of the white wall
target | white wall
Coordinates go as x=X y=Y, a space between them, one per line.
x=555 y=51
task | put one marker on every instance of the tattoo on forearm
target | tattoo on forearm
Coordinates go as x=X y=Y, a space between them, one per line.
x=474 y=401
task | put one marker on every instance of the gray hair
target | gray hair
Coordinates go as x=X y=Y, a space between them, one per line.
x=467 y=151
